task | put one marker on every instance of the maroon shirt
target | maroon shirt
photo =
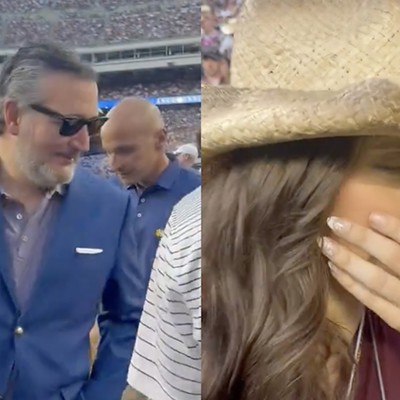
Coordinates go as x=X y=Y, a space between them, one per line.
x=388 y=344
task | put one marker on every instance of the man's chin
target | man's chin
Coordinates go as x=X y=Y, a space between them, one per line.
x=66 y=174
x=125 y=178
x=52 y=177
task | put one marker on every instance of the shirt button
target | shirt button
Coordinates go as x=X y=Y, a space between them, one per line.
x=24 y=238
x=142 y=200
x=19 y=217
x=139 y=215
x=19 y=331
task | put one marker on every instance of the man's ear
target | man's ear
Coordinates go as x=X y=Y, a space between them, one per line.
x=161 y=138
x=10 y=117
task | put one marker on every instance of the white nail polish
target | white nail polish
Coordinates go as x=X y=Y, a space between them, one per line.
x=338 y=225
x=329 y=248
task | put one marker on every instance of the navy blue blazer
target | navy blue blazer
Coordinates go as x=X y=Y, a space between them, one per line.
x=47 y=344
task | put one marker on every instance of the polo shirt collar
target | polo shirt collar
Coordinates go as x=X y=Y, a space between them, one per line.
x=166 y=180
x=168 y=177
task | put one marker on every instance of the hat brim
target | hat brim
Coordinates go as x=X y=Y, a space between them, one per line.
x=240 y=118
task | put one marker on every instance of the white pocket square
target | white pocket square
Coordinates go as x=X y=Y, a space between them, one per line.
x=88 y=250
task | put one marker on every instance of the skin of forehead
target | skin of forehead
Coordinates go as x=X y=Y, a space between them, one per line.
x=131 y=117
x=50 y=93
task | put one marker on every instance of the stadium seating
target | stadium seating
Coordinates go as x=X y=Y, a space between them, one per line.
x=177 y=88
x=92 y=22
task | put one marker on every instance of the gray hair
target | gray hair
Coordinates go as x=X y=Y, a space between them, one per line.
x=21 y=73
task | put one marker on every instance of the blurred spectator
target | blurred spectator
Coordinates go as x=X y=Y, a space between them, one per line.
x=91 y=22
x=225 y=9
x=210 y=35
x=215 y=68
x=187 y=155
x=218 y=18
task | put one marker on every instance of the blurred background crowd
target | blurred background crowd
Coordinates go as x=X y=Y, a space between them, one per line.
x=92 y=22
x=218 y=18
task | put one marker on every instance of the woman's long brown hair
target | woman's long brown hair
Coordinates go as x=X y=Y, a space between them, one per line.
x=265 y=283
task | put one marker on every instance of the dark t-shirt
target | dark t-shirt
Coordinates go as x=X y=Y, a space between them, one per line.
x=388 y=344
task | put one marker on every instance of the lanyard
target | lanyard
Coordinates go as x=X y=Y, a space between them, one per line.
x=377 y=361
x=357 y=356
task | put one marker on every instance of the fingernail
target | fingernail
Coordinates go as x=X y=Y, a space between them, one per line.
x=338 y=225
x=378 y=220
x=333 y=267
x=329 y=247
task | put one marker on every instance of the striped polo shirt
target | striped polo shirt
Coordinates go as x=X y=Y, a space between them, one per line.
x=166 y=362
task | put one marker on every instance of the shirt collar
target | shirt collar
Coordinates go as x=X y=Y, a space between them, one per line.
x=169 y=175
x=166 y=180
x=59 y=189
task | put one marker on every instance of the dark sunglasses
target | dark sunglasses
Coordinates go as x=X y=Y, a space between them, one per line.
x=70 y=125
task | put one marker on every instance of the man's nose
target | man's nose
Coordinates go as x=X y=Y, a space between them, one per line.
x=81 y=140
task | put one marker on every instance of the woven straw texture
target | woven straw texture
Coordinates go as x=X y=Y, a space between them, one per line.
x=336 y=64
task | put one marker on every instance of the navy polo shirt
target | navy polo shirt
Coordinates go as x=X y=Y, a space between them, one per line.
x=154 y=206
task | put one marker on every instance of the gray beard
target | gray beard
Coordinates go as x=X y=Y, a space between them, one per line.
x=41 y=175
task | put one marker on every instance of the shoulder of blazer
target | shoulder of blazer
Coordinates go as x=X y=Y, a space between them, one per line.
x=100 y=188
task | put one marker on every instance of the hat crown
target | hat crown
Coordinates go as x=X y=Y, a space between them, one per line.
x=305 y=69
x=315 y=44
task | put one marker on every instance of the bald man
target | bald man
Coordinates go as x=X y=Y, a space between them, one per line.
x=134 y=139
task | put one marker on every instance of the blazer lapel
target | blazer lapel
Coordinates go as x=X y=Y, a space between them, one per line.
x=64 y=231
x=5 y=262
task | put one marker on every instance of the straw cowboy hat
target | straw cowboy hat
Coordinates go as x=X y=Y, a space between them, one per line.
x=305 y=69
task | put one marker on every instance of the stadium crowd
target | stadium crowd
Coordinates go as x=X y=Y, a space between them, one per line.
x=218 y=18
x=182 y=124
x=124 y=88
x=90 y=22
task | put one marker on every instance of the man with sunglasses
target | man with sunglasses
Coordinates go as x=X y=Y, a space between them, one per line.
x=66 y=238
